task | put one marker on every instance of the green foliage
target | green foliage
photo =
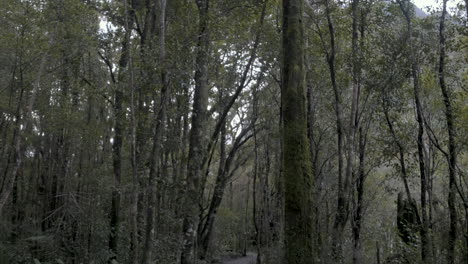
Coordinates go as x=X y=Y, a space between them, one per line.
x=57 y=58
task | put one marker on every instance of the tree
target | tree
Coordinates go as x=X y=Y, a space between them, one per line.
x=407 y=10
x=297 y=172
x=197 y=139
x=119 y=116
x=183 y=131
x=452 y=153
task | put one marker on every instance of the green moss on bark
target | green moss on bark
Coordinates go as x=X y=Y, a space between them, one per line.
x=297 y=169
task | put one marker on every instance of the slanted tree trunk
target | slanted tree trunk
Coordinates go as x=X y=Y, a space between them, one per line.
x=197 y=138
x=297 y=171
x=224 y=174
x=452 y=153
x=401 y=150
x=205 y=232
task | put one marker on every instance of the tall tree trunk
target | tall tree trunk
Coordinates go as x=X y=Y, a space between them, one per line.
x=143 y=123
x=135 y=210
x=452 y=154
x=117 y=165
x=426 y=255
x=255 y=219
x=466 y=232
x=353 y=117
x=197 y=138
x=265 y=238
x=245 y=236
x=314 y=152
x=358 y=214
x=256 y=222
x=297 y=171
x=157 y=140
x=354 y=127
x=119 y=119
x=342 y=210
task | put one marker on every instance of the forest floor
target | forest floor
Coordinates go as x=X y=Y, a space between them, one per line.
x=249 y=259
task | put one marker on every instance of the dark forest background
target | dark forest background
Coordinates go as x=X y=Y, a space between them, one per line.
x=150 y=131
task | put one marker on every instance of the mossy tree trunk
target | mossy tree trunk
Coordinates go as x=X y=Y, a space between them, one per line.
x=197 y=139
x=297 y=170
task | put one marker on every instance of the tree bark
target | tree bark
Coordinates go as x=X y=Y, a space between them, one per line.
x=134 y=235
x=342 y=208
x=119 y=118
x=358 y=214
x=222 y=178
x=197 y=138
x=257 y=235
x=297 y=171
x=401 y=151
x=157 y=140
x=205 y=232
x=246 y=219
x=355 y=126
x=452 y=154
x=426 y=255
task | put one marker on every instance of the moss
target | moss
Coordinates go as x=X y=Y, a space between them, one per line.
x=297 y=168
